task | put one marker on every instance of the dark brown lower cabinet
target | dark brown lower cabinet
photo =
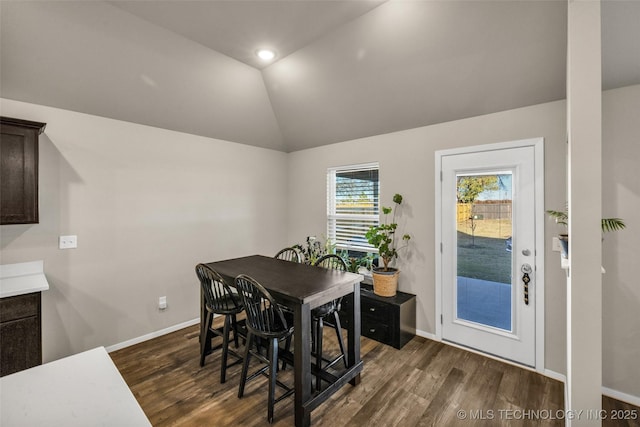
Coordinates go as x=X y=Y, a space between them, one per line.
x=20 y=333
x=389 y=320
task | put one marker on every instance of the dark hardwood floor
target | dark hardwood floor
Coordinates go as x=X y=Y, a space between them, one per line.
x=427 y=383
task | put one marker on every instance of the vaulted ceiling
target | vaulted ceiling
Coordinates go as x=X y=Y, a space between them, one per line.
x=344 y=69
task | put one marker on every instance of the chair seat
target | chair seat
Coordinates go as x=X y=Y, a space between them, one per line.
x=228 y=304
x=326 y=309
x=278 y=333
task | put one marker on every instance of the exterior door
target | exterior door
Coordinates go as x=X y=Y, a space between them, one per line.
x=488 y=206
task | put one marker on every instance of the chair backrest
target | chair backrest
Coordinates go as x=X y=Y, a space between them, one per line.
x=288 y=254
x=332 y=262
x=264 y=315
x=217 y=294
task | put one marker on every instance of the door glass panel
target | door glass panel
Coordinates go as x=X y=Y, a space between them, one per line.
x=484 y=238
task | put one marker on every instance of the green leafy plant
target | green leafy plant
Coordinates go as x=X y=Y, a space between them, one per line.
x=383 y=236
x=607 y=224
x=354 y=263
x=313 y=249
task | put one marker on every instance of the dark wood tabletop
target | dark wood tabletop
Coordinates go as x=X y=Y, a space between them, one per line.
x=288 y=281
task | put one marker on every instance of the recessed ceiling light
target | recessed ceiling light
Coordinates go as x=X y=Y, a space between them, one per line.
x=266 y=54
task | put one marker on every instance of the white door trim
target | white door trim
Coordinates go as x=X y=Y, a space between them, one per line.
x=538 y=145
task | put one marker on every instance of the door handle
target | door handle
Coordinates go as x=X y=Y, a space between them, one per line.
x=526 y=269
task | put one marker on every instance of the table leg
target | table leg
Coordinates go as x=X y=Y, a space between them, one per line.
x=302 y=363
x=354 y=332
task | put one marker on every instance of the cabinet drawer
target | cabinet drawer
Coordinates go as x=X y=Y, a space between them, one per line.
x=376 y=331
x=19 y=307
x=372 y=313
x=376 y=309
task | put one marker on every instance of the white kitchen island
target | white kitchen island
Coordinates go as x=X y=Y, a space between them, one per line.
x=82 y=390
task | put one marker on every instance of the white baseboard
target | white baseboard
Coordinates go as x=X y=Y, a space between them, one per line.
x=152 y=335
x=624 y=397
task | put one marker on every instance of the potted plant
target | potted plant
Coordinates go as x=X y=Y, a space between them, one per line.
x=357 y=264
x=314 y=249
x=562 y=217
x=383 y=237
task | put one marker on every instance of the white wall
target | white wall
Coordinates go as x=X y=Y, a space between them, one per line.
x=621 y=198
x=407 y=167
x=147 y=204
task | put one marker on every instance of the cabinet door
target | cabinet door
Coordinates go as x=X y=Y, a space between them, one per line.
x=19 y=171
x=20 y=343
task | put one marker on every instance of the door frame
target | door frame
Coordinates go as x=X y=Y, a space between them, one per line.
x=538 y=145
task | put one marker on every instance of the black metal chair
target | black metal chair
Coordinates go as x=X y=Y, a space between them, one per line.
x=288 y=254
x=319 y=314
x=267 y=321
x=219 y=299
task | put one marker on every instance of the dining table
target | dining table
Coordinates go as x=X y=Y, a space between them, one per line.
x=301 y=288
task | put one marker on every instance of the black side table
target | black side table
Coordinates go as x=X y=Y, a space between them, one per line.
x=389 y=320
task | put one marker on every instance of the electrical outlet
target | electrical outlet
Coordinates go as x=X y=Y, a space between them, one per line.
x=162 y=303
x=555 y=245
x=68 y=242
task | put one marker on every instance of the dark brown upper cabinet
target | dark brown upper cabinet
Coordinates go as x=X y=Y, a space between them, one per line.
x=19 y=170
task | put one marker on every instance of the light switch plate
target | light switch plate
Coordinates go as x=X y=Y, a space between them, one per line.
x=555 y=245
x=68 y=242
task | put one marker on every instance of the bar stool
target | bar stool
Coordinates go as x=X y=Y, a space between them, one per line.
x=219 y=299
x=319 y=314
x=267 y=321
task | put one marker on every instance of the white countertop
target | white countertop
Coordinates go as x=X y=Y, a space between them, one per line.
x=22 y=278
x=82 y=390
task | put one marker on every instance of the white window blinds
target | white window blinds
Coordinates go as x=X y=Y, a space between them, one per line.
x=352 y=205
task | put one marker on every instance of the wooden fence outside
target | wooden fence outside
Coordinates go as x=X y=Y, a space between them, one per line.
x=485 y=210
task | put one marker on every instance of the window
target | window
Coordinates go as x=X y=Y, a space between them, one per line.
x=352 y=205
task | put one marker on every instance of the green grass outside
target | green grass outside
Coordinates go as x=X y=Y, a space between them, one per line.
x=484 y=256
